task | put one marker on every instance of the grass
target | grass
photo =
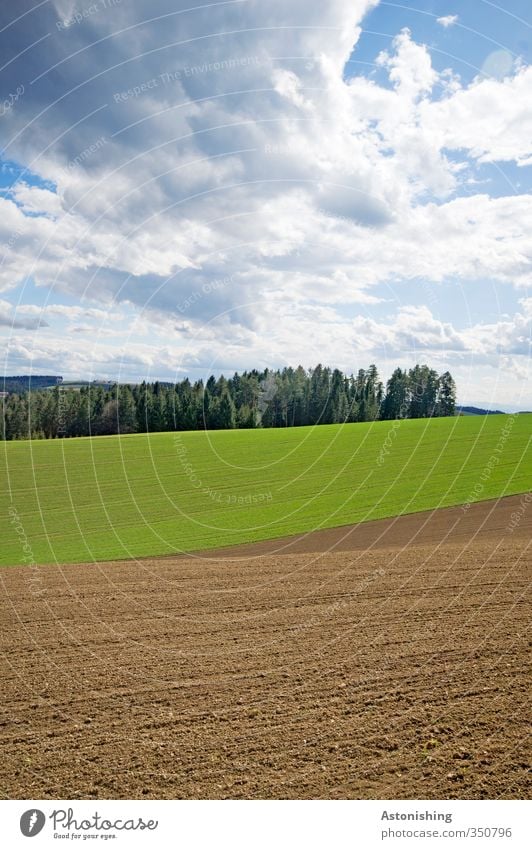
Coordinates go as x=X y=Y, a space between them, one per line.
x=115 y=497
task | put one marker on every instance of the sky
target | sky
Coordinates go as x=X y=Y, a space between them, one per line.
x=191 y=188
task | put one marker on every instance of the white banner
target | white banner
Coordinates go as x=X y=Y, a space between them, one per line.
x=266 y=824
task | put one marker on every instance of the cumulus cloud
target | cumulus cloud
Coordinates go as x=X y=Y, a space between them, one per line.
x=409 y=66
x=490 y=119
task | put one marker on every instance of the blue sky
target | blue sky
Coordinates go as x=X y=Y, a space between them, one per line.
x=481 y=29
x=187 y=190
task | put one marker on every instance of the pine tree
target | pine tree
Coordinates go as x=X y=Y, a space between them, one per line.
x=396 y=402
x=226 y=412
x=127 y=414
x=446 y=405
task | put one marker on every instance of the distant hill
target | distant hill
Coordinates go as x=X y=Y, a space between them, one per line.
x=78 y=384
x=24 y=382
x=27 y=382
x=478 y=411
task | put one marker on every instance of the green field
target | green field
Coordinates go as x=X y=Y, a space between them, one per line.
x=115 y=497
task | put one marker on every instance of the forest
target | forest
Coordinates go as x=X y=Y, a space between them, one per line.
x=290 y=397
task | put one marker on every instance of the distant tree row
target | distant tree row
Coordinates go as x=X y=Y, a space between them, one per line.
x=284 y=398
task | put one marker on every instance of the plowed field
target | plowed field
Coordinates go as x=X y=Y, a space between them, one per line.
x=385 y=662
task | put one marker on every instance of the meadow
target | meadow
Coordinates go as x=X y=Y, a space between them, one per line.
x=103 y=498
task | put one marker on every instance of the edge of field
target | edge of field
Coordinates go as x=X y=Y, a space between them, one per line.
x=457 y=523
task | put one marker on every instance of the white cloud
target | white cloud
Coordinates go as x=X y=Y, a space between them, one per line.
x=447 y=21
x=409 y=66
x=9 y=319
x=490 y=119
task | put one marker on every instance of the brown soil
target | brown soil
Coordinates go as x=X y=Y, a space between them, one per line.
x=390 y=663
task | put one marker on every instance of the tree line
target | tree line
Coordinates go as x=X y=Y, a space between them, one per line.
x=283 y=398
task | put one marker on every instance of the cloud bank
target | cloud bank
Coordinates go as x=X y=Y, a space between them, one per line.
x=164 y=147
